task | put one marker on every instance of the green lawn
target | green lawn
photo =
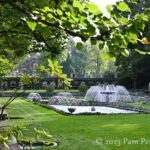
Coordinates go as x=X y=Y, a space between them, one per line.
x=86 y=132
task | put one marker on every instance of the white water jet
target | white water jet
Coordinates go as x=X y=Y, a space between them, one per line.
x=107 y=93
x=34 y=97
x=66 y=94
x=63 y=98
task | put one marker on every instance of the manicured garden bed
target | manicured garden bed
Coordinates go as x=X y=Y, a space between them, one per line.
x=85 y=132
x=141 y=106
x=43 y=90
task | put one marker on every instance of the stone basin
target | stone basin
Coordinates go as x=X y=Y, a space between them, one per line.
x=98 y=109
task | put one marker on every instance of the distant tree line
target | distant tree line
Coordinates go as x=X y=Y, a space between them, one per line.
x=134 y=70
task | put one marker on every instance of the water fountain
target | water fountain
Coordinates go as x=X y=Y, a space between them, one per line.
x=34 y=97
x=66 y=94
x=66 y=101
x=63 y=98
x=107 y=94
x=98 y=94
x=60 y=100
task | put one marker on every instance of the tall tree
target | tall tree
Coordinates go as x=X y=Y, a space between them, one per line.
x=136 y=67
x=89 y=61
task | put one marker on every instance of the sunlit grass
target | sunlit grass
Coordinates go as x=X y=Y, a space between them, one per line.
x=84 y=132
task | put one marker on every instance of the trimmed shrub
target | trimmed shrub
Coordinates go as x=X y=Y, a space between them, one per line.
x=83 y=87
x=50 y=88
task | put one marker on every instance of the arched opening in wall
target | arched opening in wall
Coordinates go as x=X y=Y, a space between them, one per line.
x=13 y=84
x=44 y=84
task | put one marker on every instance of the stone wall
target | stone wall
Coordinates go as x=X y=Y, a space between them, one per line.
x=14 y=82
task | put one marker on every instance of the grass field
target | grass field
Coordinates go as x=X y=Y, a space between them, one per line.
x=86 y=132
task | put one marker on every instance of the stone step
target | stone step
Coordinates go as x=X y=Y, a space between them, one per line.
x=3 y=123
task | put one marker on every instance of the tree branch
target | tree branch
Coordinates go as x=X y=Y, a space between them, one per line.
x=55 y=25
x=28 y=13
x=11 y=1
x=2 y=33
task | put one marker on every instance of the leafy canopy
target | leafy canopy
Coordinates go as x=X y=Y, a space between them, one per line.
x=49 y=22
x=55 y=69
x=48 y=18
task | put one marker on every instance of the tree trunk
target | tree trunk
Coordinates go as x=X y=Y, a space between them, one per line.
x=134 y=84
x=1 y=115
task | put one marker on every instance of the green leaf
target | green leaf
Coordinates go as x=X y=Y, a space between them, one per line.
x=59 y=67
x=50 y=64
x=5 y=25
x=123 y=19
x=93 y=41
x=55 y=62
x=68 y=14
x=104 y=56
x=91 y=29
x=6 y=145
x=141 y=52
x=125 y=52
x=78 y=5
x=108 y=8
x=32 y=25
x=59 y=12
x=25 y=79
x=141 y=17
x=122 y=6
x=107 y=56
x=50 y=16
x=79 y=45
x=63 y=5
x=147 y=8
x=93 y=8
x=47 y=9
x=134 y=1
x=101 y=45
x=132 y=37
x=42 y=68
